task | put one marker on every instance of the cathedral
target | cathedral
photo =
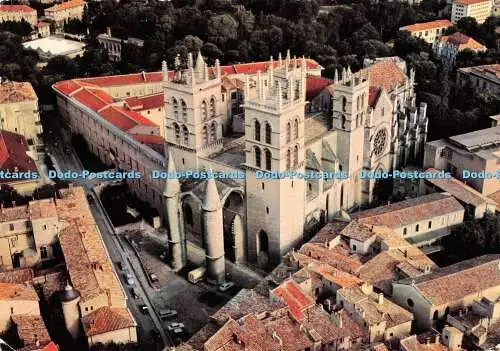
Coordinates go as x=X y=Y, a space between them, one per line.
x=371 y=123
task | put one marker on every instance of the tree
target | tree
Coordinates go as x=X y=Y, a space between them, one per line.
x=468 y=26
x=16 y=63
x=222 y=28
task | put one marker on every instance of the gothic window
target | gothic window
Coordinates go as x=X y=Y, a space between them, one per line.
x=213 y=131
x=175 y=105
x=257 y=157
x=257 y=130
x=296 y=129
x=185 y=131
x=268 y=133
x=212 y=107
x=343 y=121
x=296 y=155
x=358 y=100
x=184 y=110
x=288 y=132
x=288 y=159
x=205 y=135
x=204 y=111
x=43 y=252
x=344 y=104
x=177 y=132
x=268 y=160
x=342 y=195
x=363 y=100
x=380 y=142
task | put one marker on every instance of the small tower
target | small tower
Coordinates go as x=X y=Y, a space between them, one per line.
x=176 y=239
x=69 y=300
x=213 y=233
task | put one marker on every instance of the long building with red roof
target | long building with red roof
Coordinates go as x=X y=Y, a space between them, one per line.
x=18 y=13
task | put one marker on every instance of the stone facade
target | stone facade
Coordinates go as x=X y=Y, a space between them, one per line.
x=478 y=9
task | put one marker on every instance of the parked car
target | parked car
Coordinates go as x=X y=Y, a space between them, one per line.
x=226 y=286
x=144 y=309
x=153 y=277
x=134 y=293
x=196 y=275
x=165 y=314
x=176 y=327
x=129 y=279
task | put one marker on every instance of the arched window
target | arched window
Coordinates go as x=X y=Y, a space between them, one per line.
x=204 y=111
x=296 y=155
x=363 y=100
x=257 y=157
x=213 y=131
x=212 y=107
x=296 y=129
x=342 y=195
x=288 y=159
x=263 y=242
x=177 y=132
x=288 y=132
x=184 y=110
x=358 y=100
x=343 y=121
x=344 y=104
x=175 y=106
x=205 y=135
x=268 y=133
x=257 y=130
x=268 y=160
x=188 y=213
x=185 y=131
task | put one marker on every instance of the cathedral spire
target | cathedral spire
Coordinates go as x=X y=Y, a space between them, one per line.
x=280 y=59
x=279 y=95
x=270 y=73
x=260 y=93
x=336 y=77
x=211 y=202
x=217 y=69
x=287 y=59
x=199 y=61
x=172 y=186
x=190 y=60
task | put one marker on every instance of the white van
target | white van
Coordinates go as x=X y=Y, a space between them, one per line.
x=196 y=275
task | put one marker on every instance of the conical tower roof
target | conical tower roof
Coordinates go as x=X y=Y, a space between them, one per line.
x=211 y=202
x=172 y=186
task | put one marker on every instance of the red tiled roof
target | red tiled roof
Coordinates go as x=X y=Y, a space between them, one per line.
x=149 y=139
x=16 y=8
x=13 y=149
x=296 y=300
x=373 y=96
x=120 y=117
x=462 y=41
x=17 y=292
x=106 y=319
x=469 y=2
x=145 y=102
x=51 y=346
x=386 y=74
x=16 y=92
x=91 y=99
x=428 y=25
x=65 y=5
x=315 y=84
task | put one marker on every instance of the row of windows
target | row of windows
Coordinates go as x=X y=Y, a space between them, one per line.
x=268 y=156
x=268 y=131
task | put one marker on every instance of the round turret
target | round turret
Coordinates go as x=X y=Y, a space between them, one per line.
x=69 y=300
x=69 y=294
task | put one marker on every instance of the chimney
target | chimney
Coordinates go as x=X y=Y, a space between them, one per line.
x=380 y=299
x=108 y=31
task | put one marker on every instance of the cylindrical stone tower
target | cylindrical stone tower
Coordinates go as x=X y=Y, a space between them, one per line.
x=69 y=299
x=213 y=233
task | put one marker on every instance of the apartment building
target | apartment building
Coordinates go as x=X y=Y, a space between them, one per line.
x=428 y=31
x=19 y=111
x=114 y=45
x=18 y=13
x=65 y=11
x=484 y=79
x=478 y=9
x=422 y=221
x=472 y=157
x=447 y=47
x=433 y=297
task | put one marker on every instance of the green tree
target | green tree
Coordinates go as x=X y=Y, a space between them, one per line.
x=222 y=28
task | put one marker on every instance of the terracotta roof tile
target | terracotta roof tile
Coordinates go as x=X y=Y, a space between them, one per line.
x=453 y=283
x=428 y=25
x=66 y=5
x=31 y=329
x=106 y=319
x=147 y=102
x=315 y=253
x=315 y=84
x=14 y=153
x=357 y=231
x=329 y=232
x=386 y=74
x=400 y=214
x=294 y=297
x=17 y=276
x=411 y=343
x=17 y=292
x=462 y=41
x=469 y=2
x=16 y=91
x=16 y=8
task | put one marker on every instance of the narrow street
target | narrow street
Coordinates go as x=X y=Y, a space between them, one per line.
x=147 y=322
